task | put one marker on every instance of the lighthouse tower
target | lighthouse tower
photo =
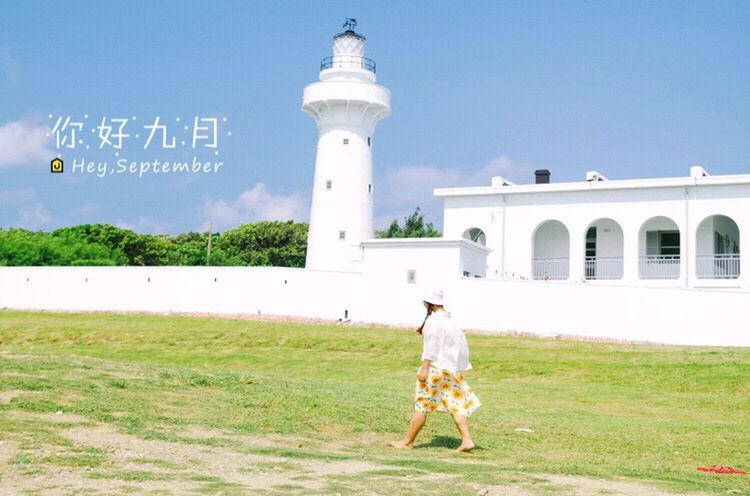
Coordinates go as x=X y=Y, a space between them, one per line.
x=346 y=104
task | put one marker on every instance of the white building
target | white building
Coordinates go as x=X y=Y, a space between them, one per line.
x=680 y=231
x=643 y=259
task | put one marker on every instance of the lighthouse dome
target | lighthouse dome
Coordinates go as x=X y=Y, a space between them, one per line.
x=349 y=43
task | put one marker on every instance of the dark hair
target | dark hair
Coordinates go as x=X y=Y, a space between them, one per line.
x=430 y=308
x=433 y=306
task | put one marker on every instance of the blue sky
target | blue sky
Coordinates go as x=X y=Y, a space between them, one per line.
x=632 y=89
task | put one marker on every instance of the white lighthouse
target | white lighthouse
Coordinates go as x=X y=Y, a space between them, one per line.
x=346 y=104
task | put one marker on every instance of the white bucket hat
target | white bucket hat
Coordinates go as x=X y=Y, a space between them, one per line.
x=435 y=297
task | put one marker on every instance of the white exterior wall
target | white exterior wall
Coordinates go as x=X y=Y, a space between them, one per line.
x=434 y=260
x=551 y=239
x=485 y=213
x=474 y=262
x=666 y=315
x=518 y=215
x=705 y=237
x=433 y=265
x=608 y=244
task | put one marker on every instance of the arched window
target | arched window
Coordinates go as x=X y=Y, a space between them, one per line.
x=717 y=248
x=476 y=235
x=604 y=250
x=551 y=258
x=659 y=249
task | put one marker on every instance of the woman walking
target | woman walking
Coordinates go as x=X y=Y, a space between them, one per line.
x=440 y=383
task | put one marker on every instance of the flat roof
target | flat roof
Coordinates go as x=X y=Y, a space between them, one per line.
x=423 y=242
x=662 y=182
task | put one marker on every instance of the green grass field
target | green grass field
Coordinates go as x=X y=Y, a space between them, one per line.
x=337 y=394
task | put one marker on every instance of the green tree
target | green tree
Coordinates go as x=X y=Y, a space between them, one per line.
x=275 y=243
x=281 y=244
x=190 y=249
x=154 y=249
x=138 y=249
x=414 y=227
x=21 y=247
x=125 y=241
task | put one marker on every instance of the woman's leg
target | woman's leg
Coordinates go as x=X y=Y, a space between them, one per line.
x=463 y=427
x=415 y=425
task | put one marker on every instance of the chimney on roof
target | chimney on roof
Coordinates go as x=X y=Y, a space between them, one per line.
x=498 y=181
x=593 y=175
x=698 y=171
x=542 y=176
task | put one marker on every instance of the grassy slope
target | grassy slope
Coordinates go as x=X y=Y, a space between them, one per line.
x=647 y=412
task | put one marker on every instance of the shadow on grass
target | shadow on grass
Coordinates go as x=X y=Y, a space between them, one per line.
x=449 y=442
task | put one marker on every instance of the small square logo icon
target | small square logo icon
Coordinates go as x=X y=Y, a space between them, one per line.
x=56 y=166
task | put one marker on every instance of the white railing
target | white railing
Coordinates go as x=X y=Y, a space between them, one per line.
x=718 y=266
x=550 y=268
x=603 y=267
x=659 y=267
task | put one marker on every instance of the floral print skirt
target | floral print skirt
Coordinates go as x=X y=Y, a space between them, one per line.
x=445 y=392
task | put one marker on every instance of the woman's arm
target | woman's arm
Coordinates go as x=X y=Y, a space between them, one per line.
x=422 y=375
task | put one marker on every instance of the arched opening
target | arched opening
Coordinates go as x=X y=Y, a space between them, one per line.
x=604 y=250
x=659 y=249
x=476 y=235
x=551 y=248
x=717 y=248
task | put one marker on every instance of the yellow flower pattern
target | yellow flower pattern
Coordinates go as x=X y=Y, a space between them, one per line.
x=445 y=392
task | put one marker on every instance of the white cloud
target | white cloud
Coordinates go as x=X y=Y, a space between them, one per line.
x=34 y=217
x=16 y=195
x=23 y=143
x=407 y=185
x=254 y=205
x=401 y=189
x=144 y=225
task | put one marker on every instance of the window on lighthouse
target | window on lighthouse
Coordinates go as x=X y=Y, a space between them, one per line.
x=346 y=141
x=369 y=188
x=342 y=234
x=329 y=184
x=368 y=141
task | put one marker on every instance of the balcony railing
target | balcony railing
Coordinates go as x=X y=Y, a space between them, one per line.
x=718 y=266
x=347 y=62
x=659 y=267
x=603 y=267
x=550 y=268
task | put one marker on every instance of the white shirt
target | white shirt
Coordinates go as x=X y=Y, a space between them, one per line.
x=444 y=343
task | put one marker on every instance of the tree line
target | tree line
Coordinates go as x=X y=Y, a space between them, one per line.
x=267 y=243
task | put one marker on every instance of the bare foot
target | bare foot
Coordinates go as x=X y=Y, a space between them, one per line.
x=466 y=446
x=400 y=445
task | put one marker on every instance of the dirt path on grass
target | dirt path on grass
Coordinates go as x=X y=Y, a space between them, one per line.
x=210 y=461
x=8 y=395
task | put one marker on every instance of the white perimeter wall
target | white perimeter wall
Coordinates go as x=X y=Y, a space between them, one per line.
x=667 y=315
x=268 y=290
